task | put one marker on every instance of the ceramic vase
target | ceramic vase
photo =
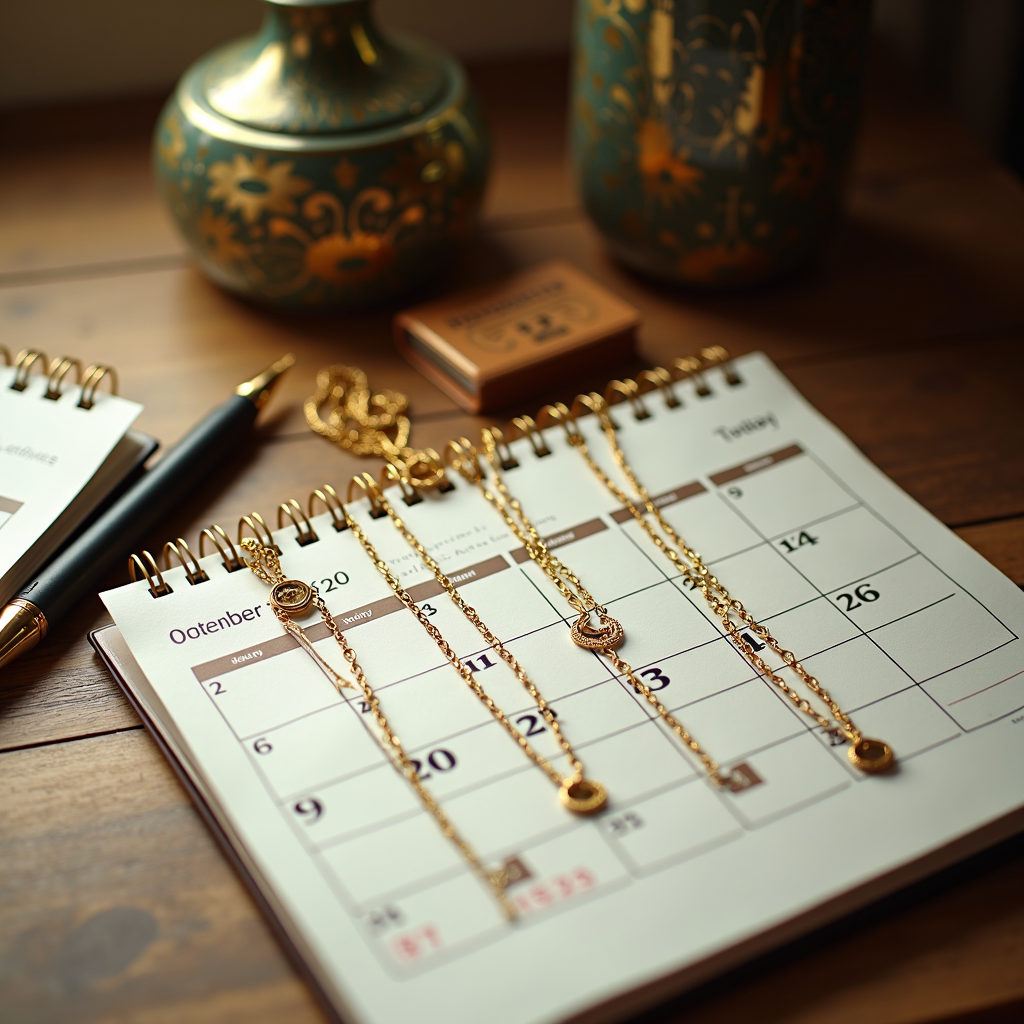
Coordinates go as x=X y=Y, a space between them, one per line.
x=712 y=139
x=321 y=163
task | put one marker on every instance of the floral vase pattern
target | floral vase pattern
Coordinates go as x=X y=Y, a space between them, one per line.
x=320 y=163
x=712 y=139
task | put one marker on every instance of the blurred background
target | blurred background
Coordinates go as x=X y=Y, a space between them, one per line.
x=969 y=52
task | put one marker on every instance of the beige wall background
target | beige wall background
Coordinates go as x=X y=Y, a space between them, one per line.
x=60 y=50
x=55 y=49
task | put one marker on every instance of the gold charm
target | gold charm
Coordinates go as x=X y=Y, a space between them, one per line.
x=870 y=755
x=583 y=796
x=293 y=597
x=607 y=635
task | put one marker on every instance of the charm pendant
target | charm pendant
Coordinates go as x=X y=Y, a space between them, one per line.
x=293 y=597
x=870 y=755
x=608 y=634
x=583 y=796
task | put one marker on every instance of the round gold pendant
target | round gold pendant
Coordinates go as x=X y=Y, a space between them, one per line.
x=870 y=755
x=583 y=796
x=293 y=597
x=606 y=635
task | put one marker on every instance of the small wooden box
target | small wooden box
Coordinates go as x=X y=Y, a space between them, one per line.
x=493 y=345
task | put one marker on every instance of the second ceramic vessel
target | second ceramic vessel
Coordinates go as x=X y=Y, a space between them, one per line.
x=713 y=140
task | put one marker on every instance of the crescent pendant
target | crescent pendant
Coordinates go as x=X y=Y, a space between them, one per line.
x=606 y=635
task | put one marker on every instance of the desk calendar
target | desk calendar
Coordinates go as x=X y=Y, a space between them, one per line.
x=912 y=631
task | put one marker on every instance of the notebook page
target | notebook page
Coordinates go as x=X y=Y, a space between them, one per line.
x=49 y=450
x=913 y=632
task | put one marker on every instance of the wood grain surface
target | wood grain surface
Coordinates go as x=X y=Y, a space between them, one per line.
x=115 y=904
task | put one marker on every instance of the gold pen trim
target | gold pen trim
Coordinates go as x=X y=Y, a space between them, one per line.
x=22 y=626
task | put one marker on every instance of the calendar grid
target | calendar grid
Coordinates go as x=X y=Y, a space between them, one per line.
x=1013 y=636
x=961 y=664
x=868 y=633
x=731 y=802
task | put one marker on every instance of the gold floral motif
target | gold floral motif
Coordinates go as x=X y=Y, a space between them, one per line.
x=346 y=174
x=428 y=171
x=218 y=235
x=253 y=187
x=667 y=177
x=714 y=264
x=340 y=251
x=802 y=170
x=172 y=145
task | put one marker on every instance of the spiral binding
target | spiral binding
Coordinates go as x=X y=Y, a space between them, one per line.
x=57 y=371
x=652 y=382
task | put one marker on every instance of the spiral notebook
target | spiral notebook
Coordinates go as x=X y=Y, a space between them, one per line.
x=65 y=446
x=911 y=630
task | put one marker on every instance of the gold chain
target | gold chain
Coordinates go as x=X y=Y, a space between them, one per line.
x=867 y=754
x=263 y=561
x=568 y=583
x=369 y=423
x=578 y=793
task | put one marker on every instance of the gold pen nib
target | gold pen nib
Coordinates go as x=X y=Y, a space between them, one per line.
x=258 y=389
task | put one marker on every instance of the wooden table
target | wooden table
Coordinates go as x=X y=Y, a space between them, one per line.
x=115 y=904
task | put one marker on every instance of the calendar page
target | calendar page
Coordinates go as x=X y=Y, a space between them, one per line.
x=50 y=450
x=913 y=633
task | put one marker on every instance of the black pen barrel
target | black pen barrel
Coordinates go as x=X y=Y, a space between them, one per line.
x=113 y=536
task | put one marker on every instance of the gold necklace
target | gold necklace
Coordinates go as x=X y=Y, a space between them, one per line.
x=463 y=457
x=576 y=792
x=291 y=599
x=869 y=755
x=369 y=423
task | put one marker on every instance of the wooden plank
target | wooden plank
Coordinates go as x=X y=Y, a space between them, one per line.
x=115 y=903
x=1002 y=543
x=906 y=132
x=181 y=345
x=76 y=187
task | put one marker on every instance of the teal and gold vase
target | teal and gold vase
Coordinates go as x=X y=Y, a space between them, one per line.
x=712 y=139
x=321 y=163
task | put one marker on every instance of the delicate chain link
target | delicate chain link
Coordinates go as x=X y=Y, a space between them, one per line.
x=369 y=423
x=455 y=661
x=267 y=567
x=713 y=591
x=579 y=598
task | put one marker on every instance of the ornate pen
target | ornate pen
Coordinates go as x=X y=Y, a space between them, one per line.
x=61 y=585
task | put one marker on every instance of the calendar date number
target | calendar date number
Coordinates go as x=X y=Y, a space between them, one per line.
x=556 y=889
x=861 y=595
x=309 y=810
x=626 y=823
x=534 y=725
x=330 y=583
x=479 y=663
x=385 y=918
x=440 y=760
x=790 y=545
x=654 y=677
x=417 y=942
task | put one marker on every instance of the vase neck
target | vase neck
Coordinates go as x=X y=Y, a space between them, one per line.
x=322 y=68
